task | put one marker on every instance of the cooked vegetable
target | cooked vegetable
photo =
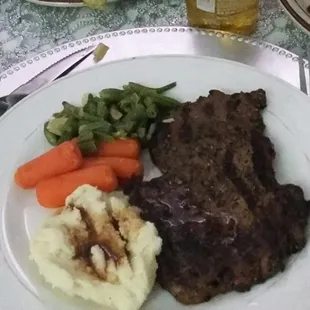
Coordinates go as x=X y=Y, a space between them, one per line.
x=112 y=94
x=71 y=110
x=60 y=159
x=150 y=132
x=102 y=109
x=124 y=168
x=86 y=142
x=141 y=133
x=115 y=113
x=165 y=102
x=127 y=102
x=55 y=125
x=50 y=137
x=52 y=193
x=128 y=148
x=101 y=50
x=151 y=109
x=69 y=130
x=131 y=112
x=138 y=88
x=91 y=105
x=98 y=125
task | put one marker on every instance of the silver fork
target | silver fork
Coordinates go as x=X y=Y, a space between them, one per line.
x=302 y=74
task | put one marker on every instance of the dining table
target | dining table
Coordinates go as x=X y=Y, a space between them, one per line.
x=27 y=29
x=41 y=33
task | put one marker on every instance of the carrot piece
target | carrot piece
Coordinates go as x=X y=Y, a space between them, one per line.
x=124 y=168
x=128 y=148
x=52 y=193
x=60 y=159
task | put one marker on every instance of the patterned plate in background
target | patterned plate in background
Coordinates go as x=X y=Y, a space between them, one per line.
x=62 y=3
x=59 y=3
x=299 y=11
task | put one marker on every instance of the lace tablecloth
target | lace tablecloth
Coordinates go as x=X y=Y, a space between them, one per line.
x=26 y=29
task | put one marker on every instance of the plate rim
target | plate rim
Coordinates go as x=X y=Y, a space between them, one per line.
x=8 y=73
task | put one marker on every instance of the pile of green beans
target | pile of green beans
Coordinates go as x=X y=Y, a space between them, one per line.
x=133 y=111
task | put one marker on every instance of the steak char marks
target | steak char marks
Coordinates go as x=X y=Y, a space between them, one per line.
x=226 y=223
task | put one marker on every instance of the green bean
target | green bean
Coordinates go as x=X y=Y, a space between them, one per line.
x=141 y=92
x=125 y=126
x=86 y=142
x=55 y=125
x=102 y=136
x=102 y=109
x=141 y=132
x=50 y=137
x=59 y=114
x=151 y=109
x=83 y=122
x=90 y=118
x=127 y=89
x=130 y=121
x=126 y=103
x=120 y=134
x=138 y=88
x=91 y=105
x=71 y=126
x=85 y=136
x=112 y=94
x=165 y=102
x=65 y=136
x=69 y=130
x=101 y=125
x=115 y=113
x=165 y=88
x=137 y=113
x=71 y=110
x=87 y=147
x=90 y=97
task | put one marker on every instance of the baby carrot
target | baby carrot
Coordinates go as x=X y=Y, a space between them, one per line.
x=52 y=193
x=128 y=148
x=60 y=159
x=124 y=168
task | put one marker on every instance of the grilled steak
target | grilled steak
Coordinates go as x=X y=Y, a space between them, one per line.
x=226 y=223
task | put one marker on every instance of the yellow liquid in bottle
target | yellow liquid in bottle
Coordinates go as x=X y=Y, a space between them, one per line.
x=238 y=16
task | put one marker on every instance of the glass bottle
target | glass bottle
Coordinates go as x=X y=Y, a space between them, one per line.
x=238 y=16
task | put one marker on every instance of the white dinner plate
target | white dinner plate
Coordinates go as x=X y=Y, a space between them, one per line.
x=287 y=118
x=299 y=11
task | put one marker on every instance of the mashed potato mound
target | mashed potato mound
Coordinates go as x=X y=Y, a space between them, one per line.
x=98 y=248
